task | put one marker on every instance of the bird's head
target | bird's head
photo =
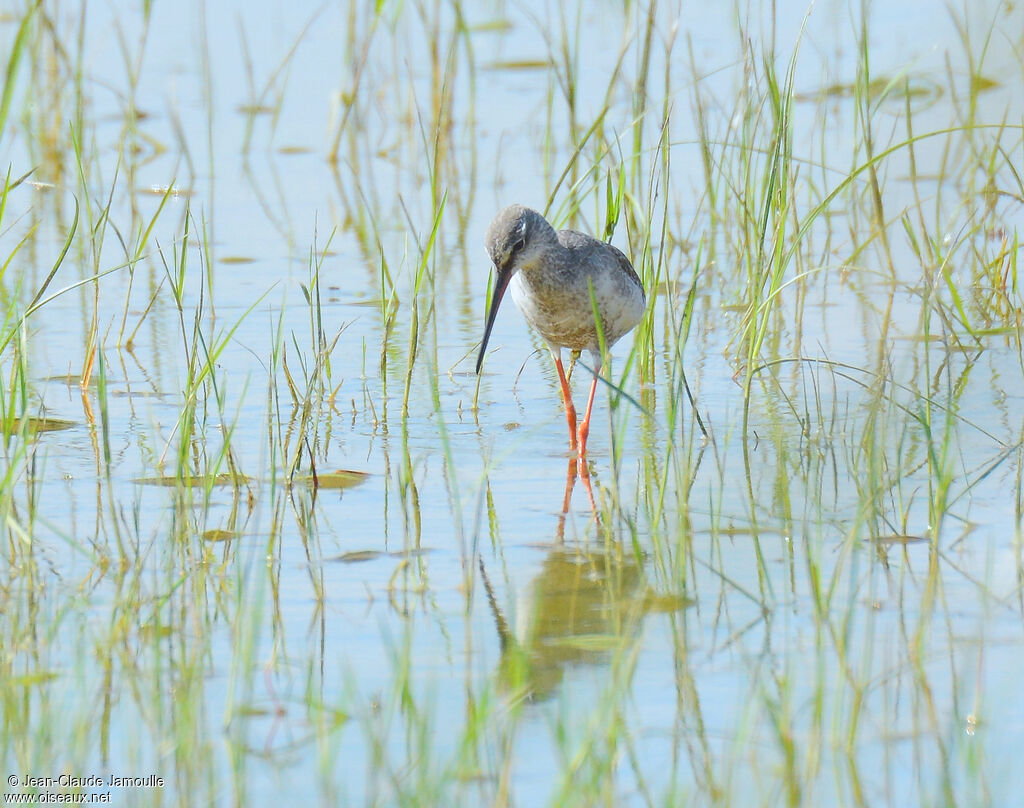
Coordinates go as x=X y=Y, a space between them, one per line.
x=516 y=237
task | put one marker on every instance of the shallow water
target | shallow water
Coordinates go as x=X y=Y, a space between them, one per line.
x=820 y=604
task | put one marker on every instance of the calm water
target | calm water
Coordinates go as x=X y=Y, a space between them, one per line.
x=329 y=651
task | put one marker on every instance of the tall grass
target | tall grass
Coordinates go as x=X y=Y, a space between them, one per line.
x=761 y=595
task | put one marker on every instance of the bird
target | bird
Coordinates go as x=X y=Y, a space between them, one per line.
x=552 y=276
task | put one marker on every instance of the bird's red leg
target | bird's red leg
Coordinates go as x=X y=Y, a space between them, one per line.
x=585 y=425
x=570 y=410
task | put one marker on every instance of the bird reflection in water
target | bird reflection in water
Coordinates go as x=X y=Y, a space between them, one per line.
x=583 y=605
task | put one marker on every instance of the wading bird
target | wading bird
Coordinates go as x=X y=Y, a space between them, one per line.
x=557 y=281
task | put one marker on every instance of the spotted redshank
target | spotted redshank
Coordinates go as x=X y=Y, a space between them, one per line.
x=552 y=276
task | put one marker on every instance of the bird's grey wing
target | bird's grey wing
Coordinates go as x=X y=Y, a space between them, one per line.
x=577 y=241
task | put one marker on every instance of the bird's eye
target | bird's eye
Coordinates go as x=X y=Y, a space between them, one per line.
x=518 y=240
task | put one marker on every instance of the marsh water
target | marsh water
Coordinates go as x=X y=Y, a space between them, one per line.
x=271 y=540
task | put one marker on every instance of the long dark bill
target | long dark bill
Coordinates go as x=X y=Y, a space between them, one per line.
x=502 y=277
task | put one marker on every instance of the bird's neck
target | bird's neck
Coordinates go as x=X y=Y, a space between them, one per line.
x=543 y=267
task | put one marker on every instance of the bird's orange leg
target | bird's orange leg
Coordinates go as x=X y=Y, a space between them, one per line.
x=585 y=425
x=570 y=410
x=570 y=484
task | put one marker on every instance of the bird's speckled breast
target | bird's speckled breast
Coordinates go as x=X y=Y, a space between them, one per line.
x=554 y=296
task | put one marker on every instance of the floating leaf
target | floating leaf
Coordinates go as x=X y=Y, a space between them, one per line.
x=917 y=88
x=519 y=64
x=72 y=380
x=194 y=480
x=236 y=259
x=500 y=24
x=250 y=711
x=255 y=109
x=219 y=535
x=33 y=425
x=980 y=84
x=31 y=679
x=356 y=556
x=48 y=424
x=339 y=479
x=897 y=538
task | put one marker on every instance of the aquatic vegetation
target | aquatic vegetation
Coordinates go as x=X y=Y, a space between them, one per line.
x=268 y=536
